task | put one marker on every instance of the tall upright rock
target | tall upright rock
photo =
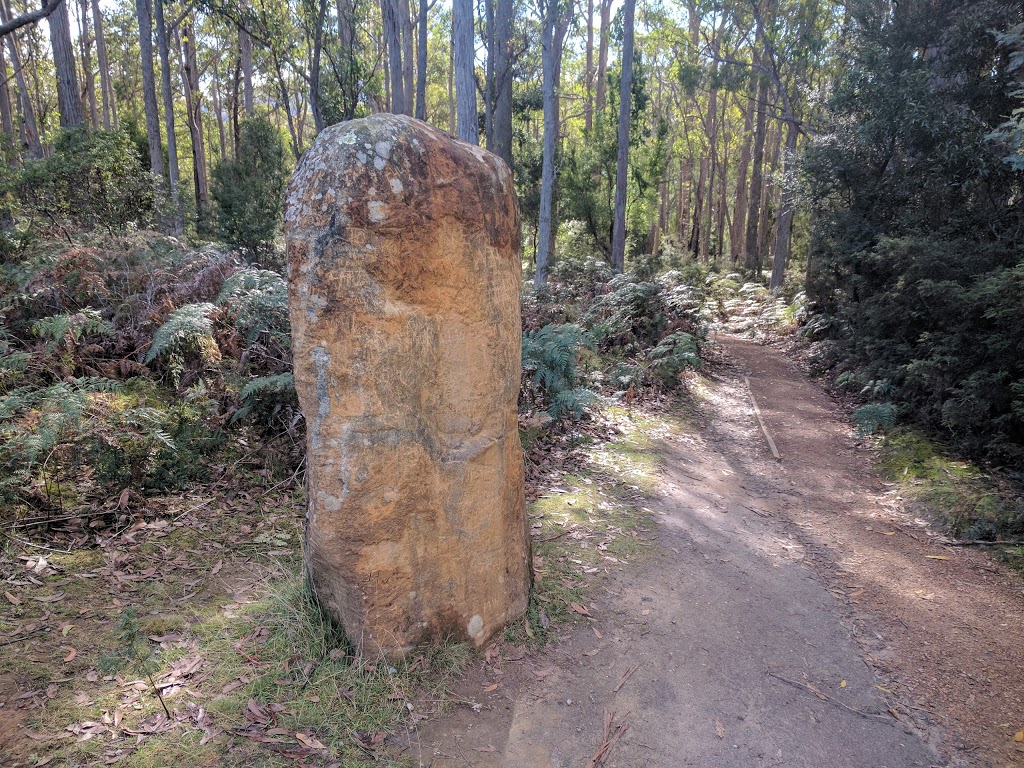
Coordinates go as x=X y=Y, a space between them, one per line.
x=403 y=251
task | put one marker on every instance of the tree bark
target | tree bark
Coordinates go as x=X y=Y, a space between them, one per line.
x=393 y=39
x=144 y=12
x=421 y=62
x=622 y=164
x=245 y=52
x=28 y=126
x=737 y=239
x=88 y=73
x=489 y=41
x=588 y=80
x=286 y=98
x=316 y=55
x=177 y=220
x=602 y=54
x=752 y=255
x=7 y=113
x=218 y=107
x=547 y=183
x=194 y=108
x=784 y=227
x=106 y=87
x=503 y=61
x=69 y=101
x=467 y=125
x=408 y=59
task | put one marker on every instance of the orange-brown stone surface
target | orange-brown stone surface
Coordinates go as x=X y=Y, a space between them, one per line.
x=404 y=278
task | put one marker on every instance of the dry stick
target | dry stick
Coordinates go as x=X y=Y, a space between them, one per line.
x=625 y=677
x=760 y=420
x=611 y=735
x=826 y=697
x=982 y=543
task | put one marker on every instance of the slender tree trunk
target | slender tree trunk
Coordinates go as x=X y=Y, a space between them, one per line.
x=739 y=222
x=287 y=101
x=177 y=223
x=467 y=125
x=236 y=84
x=316 y=55
x=245 y=53
x=622 y=165
x=408 y=59
x=769 y=207
x=784 y=227
x=504 y=19
x=7 y=114
x=698 y=210
x=683 y=214
x=144 y=12
x=69 y=101
x=390 y=12
x=753 y=255
x=723 y=184
x=194 y=108
x=451 y=83
x=218 y=108
x=588 y=109
x=88 y=73
x=547 y=182
x=489 y=75
x=106 y=87
x=421 y=62
x=28 y=126
x=602 y=54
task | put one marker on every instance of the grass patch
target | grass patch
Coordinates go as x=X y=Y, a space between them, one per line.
x=592 y=519
x=965 y=500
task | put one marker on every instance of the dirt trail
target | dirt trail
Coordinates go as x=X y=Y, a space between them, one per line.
x=777 y=625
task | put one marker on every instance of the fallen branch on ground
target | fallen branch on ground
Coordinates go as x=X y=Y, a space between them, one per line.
x=612 y=733
x=825 y=697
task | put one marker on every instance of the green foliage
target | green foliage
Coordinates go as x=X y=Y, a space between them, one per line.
x=185 y=337
x=550 y=357
x=249 y=190
x=919 y=274
x=93 y=180
x=270 y=400
x=873 y=418
x=256 y=303
x=674 y=354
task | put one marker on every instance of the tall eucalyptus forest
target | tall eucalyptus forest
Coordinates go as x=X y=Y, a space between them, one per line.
x=861 y=161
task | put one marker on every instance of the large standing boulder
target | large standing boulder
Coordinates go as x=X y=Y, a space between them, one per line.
x=403 y=253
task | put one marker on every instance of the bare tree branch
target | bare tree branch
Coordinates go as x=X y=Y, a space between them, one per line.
x=48 y=7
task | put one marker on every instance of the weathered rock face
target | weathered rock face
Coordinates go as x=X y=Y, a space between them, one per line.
x=403 y=251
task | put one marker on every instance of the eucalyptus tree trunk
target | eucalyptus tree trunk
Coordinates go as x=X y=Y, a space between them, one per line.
x=408 y=82
x=69 y=101
x=451 y=84
x=6 y=113
x=503 y=29
x=194 y=109
x=467 y=124
x=286 y=98
x=27 y=121
x=547 y=177
x=144 y=13
x=393 y=40
x=177 y=216
x=88 y=73
x=245 y=54
x=622 y=164
x=489 y=75
x=588 y=78
x=106 y=87
x=784 y=226
x=315 y=58
x=218 y=107
x=697 y=228
x=602 y=54
x=421 y=62
x=739 y=221
x=752 y=255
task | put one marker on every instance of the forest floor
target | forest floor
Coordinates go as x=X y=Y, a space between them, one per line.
x=792 y=613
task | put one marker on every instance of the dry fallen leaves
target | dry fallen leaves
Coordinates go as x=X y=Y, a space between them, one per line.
x=719 y=729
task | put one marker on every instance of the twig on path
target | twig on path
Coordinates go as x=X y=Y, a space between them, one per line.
x=825 y=697
x=760 y=420
x=556 y=536
x=612 y=733
x=625 y=677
